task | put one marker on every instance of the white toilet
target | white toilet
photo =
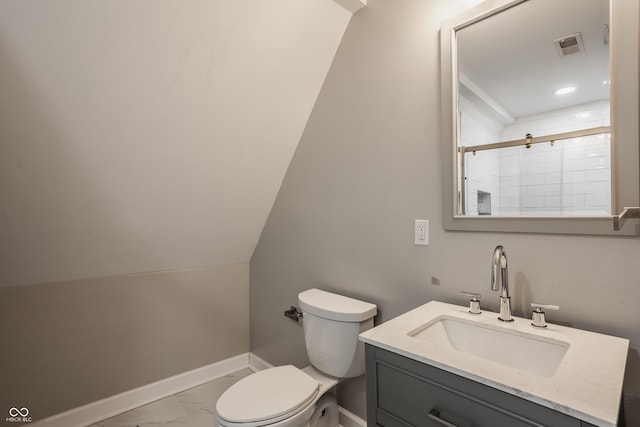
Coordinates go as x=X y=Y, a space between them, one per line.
x=288 y=396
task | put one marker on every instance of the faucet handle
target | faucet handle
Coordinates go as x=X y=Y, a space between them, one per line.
x=474 y=303
x=537 y=319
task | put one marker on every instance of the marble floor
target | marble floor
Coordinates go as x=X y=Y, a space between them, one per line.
x=192 y=408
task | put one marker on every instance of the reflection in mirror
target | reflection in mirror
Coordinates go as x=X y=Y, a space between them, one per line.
x=533 y=111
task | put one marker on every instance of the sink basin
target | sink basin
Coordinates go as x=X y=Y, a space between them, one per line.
x=577 y=372
x=526 y=352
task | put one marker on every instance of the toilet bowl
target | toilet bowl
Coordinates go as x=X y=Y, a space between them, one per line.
x=286 y=396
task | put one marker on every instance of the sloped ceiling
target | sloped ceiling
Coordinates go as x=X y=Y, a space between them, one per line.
x=150 y=135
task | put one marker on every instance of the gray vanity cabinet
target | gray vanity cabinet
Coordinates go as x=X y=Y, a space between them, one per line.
x=404 y=392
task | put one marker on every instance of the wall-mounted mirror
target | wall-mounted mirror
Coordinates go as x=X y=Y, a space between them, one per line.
x=540 y=116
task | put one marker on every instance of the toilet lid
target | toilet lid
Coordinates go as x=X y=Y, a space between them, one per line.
x=267 y=394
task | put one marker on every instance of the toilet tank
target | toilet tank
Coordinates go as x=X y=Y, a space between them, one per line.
x=331 y=324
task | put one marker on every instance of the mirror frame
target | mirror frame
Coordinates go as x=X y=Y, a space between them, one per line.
x=625 y=158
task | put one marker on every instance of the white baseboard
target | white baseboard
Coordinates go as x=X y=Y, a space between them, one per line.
x=257 y=364
x=114 y=405
x=349 y=419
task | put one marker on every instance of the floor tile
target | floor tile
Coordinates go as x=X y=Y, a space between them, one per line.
x=152 y=414
x=207 y=394
x=200 y=418
x=191 y=408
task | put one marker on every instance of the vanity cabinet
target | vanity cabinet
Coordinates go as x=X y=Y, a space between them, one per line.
x=404 y=392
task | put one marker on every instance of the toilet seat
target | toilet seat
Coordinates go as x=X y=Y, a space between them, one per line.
x=267 y=397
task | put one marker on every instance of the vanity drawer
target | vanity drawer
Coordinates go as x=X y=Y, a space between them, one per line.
x=403 y=392
x=405 y=399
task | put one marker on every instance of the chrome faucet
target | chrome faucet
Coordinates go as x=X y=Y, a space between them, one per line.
x=499 y=282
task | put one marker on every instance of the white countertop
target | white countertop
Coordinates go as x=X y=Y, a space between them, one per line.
x=587 y=384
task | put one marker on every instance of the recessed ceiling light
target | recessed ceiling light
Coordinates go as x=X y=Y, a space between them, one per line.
x=583 y=115
x=565 y=90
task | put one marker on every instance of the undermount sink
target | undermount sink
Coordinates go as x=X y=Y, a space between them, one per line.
x=576 y=372
x=526 y=352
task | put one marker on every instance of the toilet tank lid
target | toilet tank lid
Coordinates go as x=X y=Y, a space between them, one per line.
x=335 y=307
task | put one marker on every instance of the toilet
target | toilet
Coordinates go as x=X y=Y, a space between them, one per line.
x=286 y=396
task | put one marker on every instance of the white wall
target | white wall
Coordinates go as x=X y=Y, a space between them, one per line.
x=149 y=135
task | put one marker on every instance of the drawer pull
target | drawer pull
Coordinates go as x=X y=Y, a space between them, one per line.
x=434 y=414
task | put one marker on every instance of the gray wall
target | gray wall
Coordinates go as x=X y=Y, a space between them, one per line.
x=368 y=164
x=160 y=145
x=139 y=137
x=67 y=344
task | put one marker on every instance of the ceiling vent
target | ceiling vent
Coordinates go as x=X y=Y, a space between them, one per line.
x=569 y=45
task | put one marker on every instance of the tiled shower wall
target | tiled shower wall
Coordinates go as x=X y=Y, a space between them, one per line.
x=570 y=176
x=483 y=169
